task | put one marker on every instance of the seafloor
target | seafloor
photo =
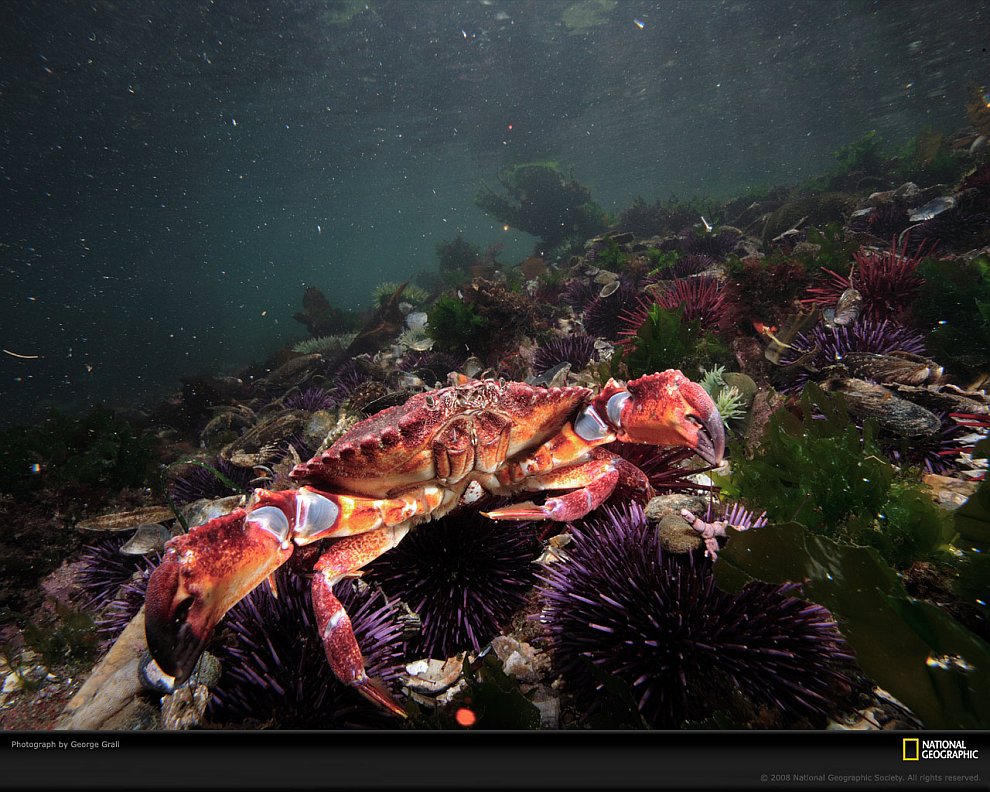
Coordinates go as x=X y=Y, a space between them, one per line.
x=834 y=574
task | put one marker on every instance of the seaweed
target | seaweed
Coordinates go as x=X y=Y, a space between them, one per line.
x=454 y=325
x=65 y=452
x=910 y=648
x=823 y=473
x=954 y=303
x=541 y=201
x=664 y=340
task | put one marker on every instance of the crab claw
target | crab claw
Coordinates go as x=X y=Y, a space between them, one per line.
x=202 y=575
x=666 y=409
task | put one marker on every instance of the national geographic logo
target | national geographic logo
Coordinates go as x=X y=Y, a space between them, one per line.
x=914 y=749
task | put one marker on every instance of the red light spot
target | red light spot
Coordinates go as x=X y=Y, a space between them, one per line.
x=510 y=127
x=465 y=717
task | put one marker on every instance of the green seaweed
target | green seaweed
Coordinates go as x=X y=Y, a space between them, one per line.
x=454 y=324
x=865 y=155
x=664 y=341
x=63 y=451
x=910 y=648
x=954 y=304
x=829 y=476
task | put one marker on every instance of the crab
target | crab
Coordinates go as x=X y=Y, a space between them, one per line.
x=404 y=466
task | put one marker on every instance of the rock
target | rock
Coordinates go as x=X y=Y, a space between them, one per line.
x=664 y=505
x=951 y=493
x=184 y=709
x=677 y=536
x=112 y=685
x=520 y=659
x=147 y=539
x=548 y=706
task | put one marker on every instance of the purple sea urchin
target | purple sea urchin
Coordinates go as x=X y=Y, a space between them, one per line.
x=662 y=466
x=621 y=606
x=465 y=576
x=831 y=344
x=275 y=668
x=192 y=482
x=310 y=400
x=578 y=350
x=887 y=281
x=105 y=570
x=602 y=314
x=125 y=606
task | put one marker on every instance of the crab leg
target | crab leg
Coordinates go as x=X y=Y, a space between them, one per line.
x=595 y=480
x=344 y=559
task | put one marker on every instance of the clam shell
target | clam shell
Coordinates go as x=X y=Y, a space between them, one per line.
x=889 y=411
x=149 y=538
x=126 y=521
x=609 y=289
x=900 y=368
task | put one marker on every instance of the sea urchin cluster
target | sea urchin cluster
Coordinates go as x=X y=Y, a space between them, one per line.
x=465 y=576
x=620 y=606
x=275 y=666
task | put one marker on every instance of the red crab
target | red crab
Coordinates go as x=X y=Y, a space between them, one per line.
x=404 y=466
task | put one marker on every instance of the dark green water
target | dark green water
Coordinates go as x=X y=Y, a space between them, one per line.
x=174 y=174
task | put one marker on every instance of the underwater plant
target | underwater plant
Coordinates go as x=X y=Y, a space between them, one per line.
x=821 y=471
x=577 y=349
x=65 y=453
x=954 y=302
x=456 y=326
x=619 y=607
x=323 y=319
x=767 y=289
x=457 y=255
x=275 y=669
x=665 y=340
x=887 y=280
x=464 y=575
x=539 y=200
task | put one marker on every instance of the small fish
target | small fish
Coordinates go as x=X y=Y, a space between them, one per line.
x=708 y=226
x=932 y=208
x=639 y=23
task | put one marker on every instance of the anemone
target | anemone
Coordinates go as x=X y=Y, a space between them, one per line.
x=465 y=576
x=618 y=605
x=275 y=669
x=887 y=281
x=325 y=345
x=577 y=349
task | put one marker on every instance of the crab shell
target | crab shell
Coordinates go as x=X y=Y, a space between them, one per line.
x=440 y=435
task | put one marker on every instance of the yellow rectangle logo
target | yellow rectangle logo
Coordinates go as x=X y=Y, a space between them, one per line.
x=910 y=749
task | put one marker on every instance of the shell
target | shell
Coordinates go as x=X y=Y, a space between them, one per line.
x=150 y=538
x=395 y=447
x=889 y=411
x=126 y=521
x=901 y=368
